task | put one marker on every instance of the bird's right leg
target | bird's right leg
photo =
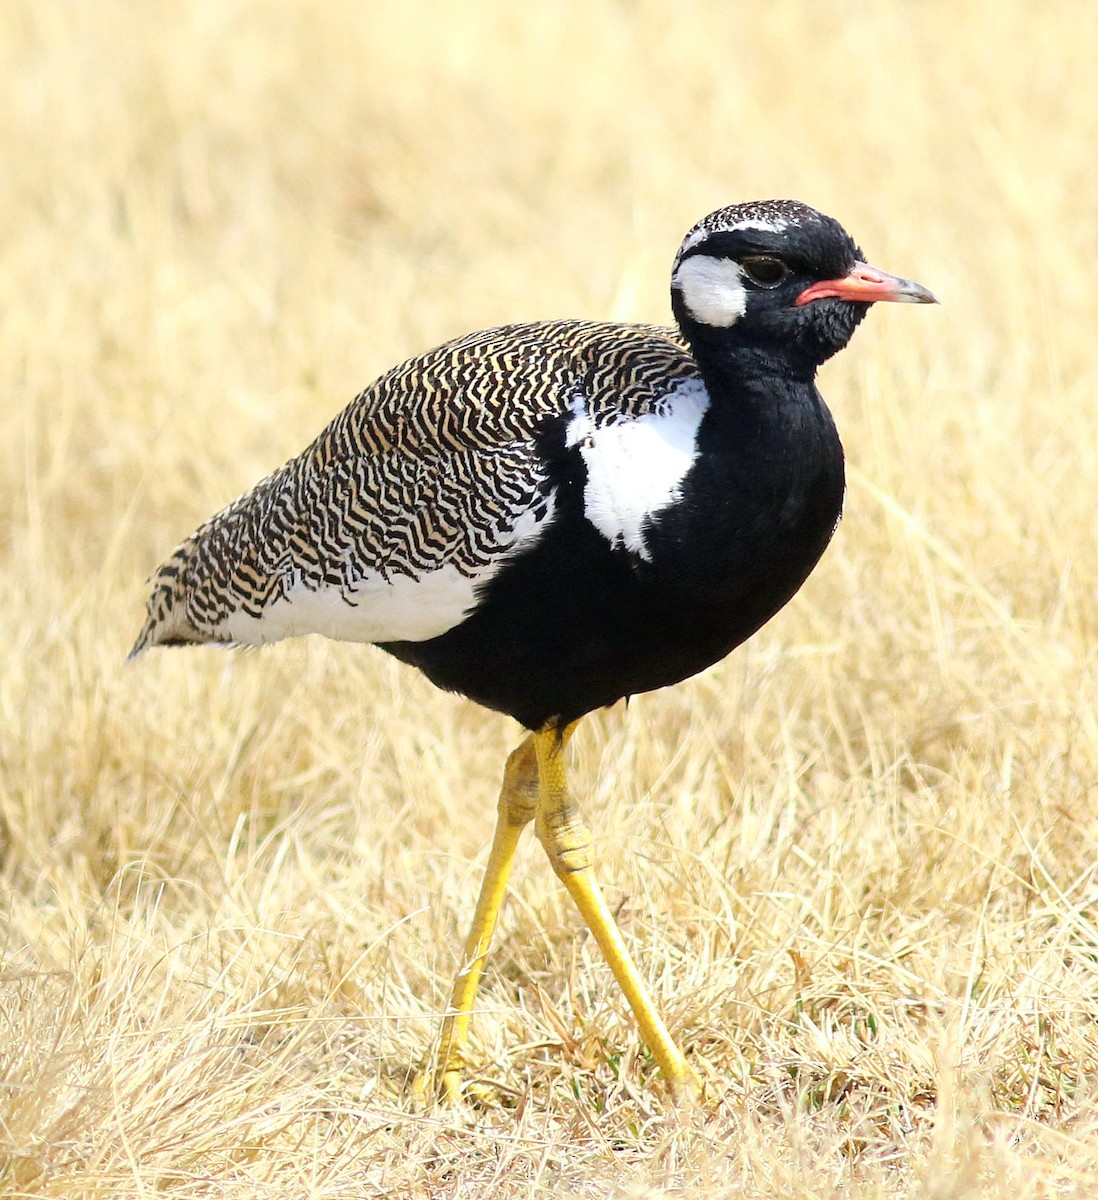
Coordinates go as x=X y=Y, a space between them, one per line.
x=567 y=841
x=518 y=800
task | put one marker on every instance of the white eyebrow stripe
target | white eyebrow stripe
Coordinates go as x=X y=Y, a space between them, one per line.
x=763 y=224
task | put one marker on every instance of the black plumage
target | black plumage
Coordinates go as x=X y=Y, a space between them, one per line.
x=549 y=517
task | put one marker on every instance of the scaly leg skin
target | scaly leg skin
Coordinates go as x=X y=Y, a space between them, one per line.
x=517 y=805
x=567 y=841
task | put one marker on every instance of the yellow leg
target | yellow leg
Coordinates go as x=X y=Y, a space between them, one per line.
x=517 y=804
x=567 y=841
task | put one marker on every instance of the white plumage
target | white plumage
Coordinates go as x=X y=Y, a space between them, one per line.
x=400 y=608
x=712 y=289
x=636 y=465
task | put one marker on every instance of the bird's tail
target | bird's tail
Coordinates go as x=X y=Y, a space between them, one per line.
x=166 y=619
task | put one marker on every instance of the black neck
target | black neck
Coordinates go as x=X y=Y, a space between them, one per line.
x=729 y=363
x=753 y=390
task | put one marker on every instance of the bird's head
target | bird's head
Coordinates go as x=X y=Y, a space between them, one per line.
x=778 y=277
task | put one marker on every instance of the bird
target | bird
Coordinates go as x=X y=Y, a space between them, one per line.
x=553 y=516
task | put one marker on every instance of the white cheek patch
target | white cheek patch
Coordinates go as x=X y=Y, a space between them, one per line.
x=712 y=290
x=636 y=465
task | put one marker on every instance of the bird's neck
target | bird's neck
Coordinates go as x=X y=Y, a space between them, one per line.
x=731 y=364
x=753 y=388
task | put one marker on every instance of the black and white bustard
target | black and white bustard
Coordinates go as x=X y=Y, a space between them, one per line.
x=548 y=517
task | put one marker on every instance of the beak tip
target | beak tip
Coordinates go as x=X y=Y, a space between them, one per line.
x=907 y=291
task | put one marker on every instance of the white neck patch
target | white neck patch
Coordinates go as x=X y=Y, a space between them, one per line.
x=636 y=465
x=712 y=290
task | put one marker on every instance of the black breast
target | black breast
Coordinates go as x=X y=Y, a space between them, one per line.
x=575 y=623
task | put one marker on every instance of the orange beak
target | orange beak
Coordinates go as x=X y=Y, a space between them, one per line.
x=868 y=284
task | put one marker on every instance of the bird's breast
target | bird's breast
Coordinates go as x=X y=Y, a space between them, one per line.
x=756 y=509
x=705 y=497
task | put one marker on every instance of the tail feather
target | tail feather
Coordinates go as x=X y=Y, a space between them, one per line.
x=166 y=619
x=211 y=574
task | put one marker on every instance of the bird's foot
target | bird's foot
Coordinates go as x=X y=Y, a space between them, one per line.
x=685 y=1088
x=446 y=1084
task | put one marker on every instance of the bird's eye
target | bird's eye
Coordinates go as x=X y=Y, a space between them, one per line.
x=764 y=270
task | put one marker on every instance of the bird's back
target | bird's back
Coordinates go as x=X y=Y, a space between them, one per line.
x=416 y=493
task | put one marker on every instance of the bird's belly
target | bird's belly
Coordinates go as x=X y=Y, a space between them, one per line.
x=575 y=624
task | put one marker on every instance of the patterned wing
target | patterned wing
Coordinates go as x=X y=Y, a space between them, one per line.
x=386 y=526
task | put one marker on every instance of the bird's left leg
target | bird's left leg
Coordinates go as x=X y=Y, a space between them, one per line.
x=517 y=804
x=567 y=841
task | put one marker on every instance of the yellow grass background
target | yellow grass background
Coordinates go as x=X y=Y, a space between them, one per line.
x=857 y=860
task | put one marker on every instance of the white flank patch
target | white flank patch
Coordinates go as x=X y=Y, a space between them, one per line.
x=712 y=289
x=402 y=608
x=636 y=465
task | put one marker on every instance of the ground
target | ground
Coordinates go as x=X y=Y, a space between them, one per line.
x=856 y=861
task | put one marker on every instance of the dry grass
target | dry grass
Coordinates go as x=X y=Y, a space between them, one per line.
x=857 y=860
